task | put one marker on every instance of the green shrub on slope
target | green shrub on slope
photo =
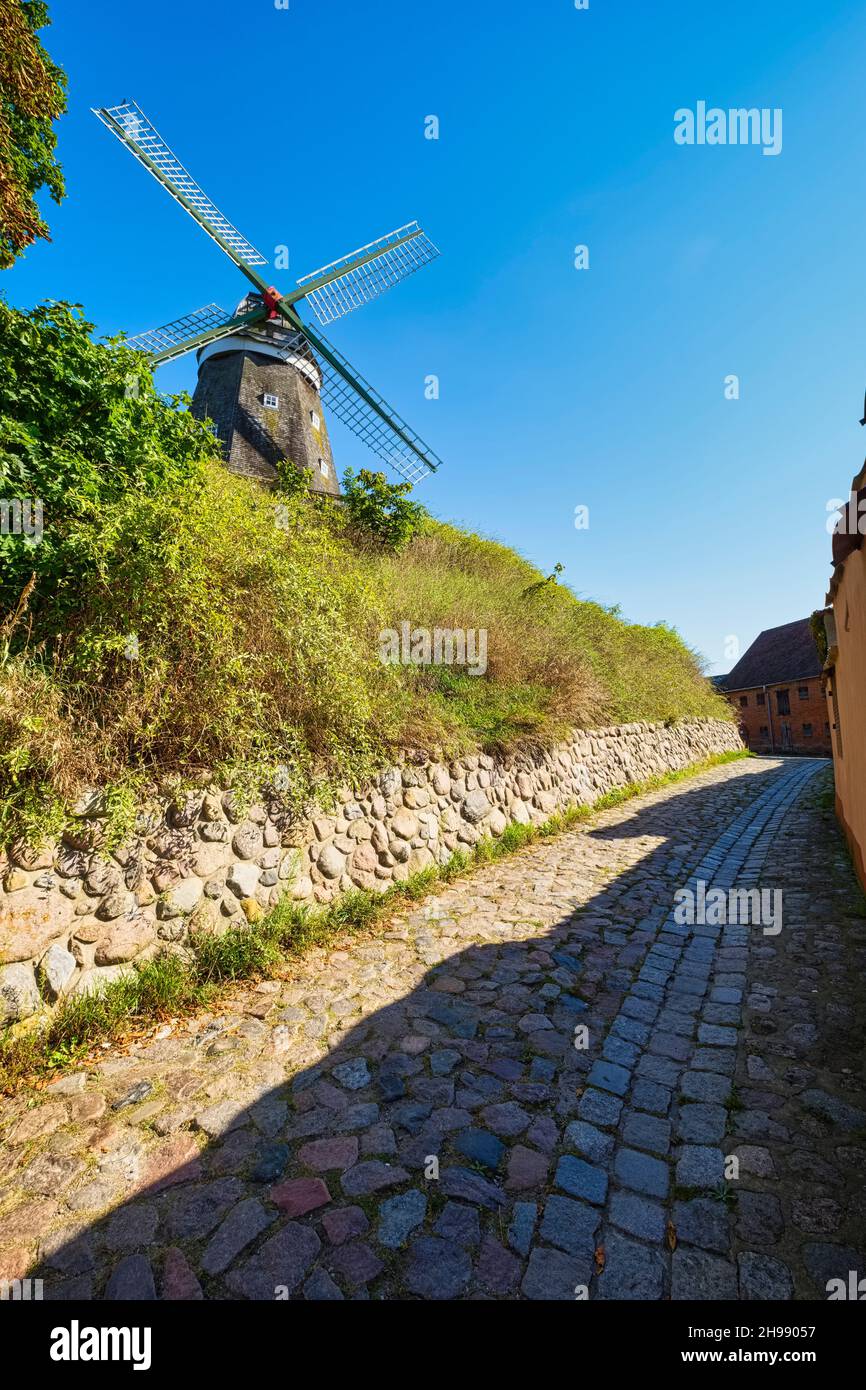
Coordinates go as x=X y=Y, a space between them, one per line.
x=176 y=621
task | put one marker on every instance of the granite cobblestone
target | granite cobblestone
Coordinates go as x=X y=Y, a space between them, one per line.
x=443 y=1132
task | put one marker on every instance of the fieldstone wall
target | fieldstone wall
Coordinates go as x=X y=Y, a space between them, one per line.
x=72 y=916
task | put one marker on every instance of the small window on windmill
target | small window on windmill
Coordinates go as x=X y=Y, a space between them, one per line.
x=316 y=422
x=323 y=467
x=272 y=402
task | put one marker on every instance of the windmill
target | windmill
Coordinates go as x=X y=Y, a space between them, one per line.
x=263 y=372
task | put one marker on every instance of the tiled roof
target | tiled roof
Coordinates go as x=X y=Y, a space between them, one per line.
x=777 y=655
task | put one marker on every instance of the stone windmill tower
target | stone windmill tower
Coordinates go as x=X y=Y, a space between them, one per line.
x=262 y=389
x=263 y=373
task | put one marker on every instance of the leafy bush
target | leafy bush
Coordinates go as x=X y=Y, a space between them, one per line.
x=213 y=635
x=82 y=430
x=381 y=510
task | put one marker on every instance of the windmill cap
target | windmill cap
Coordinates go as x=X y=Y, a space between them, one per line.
x=249 y=302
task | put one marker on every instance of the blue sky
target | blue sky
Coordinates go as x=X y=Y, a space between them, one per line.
x=559 y=388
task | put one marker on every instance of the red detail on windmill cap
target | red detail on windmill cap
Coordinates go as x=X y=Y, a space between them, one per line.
x=272 y=298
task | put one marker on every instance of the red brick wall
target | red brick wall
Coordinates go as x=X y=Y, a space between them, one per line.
x=764 y=728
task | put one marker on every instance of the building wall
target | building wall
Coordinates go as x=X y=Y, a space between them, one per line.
x=230 y=391
x=766 y=730
x=847 y=685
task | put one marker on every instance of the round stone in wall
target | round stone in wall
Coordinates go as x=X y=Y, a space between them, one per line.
x=331 y=862
x=19 y=997
x=476 y=806
x=56 y=968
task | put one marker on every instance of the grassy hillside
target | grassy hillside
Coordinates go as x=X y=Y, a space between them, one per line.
x=175 y=621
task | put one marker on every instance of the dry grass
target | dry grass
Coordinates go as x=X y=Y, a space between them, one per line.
x=255 y=625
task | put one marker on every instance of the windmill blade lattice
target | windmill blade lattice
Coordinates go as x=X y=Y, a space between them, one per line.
x=129 y=123
x=333 y=291
x=160 y=341
x=362 y=275
x=367 y=414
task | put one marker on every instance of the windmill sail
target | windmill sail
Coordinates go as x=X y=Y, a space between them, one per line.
x=346 y=284
x=333 y=291
x=129 y=123
x=160 y=341
x=191 y=331
x=354 y=401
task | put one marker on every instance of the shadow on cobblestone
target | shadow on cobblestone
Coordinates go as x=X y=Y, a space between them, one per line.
x=529 y=1087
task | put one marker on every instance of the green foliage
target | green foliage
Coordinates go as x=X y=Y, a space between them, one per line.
x=32 y=96
x=497 y=712
x=381 y=510
x=83 y=433
x=205 y=625
x=819 y=632
x=541 y=584
x=292 y=481
x=175 y=620
x=252 y=653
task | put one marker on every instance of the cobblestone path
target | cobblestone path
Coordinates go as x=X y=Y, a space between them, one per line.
x=409 y=1115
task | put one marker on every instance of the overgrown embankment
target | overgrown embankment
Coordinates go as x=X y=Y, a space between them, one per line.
x=170 y=620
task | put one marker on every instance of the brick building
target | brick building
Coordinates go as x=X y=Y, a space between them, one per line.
x=777 y=691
